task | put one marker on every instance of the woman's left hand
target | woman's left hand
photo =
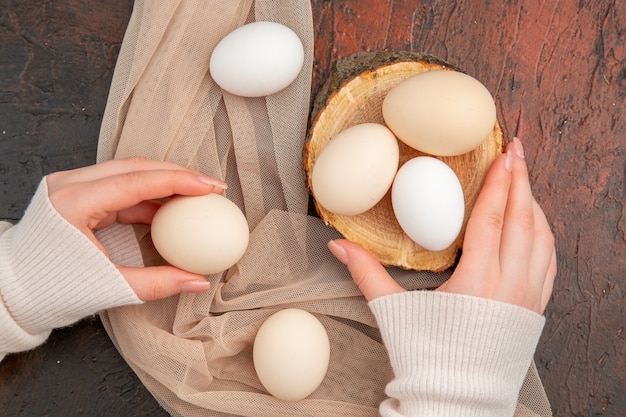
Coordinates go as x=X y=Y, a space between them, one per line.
x=124 y=190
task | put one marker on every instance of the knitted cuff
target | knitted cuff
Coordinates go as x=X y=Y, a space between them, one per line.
x=51 y=275
x=121 y=243
x=454 y=354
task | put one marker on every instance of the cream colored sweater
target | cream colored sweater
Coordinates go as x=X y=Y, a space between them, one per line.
x=452 y=355
x=455 y=355
x=51 y=275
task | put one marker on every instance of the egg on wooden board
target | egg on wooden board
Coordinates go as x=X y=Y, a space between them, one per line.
x=355 y=169
x=291 y=353
x=428 y=202
x=441 y=112
x=257 y=59
x=203 y=234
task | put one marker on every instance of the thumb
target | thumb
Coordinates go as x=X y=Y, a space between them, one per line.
x=368 y=274
x=156 y=282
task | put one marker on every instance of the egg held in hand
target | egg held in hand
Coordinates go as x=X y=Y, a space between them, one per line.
x=428 y=202
x=441 y=112
x=291 y=354
x=355 y=169
x=202 y=234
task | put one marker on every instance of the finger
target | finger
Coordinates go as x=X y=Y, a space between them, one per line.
x=122 y=191
x=548 y=284
x=368 y=274
x=542 y=250
x=157 y=282
x=543 y=261
x=484 y=227
x=518 y=227
x=141 y=213
x=117 y=167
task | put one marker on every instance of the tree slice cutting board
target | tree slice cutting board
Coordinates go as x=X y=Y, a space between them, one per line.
x=353 y=94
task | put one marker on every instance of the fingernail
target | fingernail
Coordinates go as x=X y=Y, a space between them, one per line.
x=213 y=181
x=519 y=148
x=195 y=286
x=339 y=252
x=508 y=160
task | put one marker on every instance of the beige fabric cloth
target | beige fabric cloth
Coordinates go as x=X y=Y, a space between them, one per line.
x=193 y=351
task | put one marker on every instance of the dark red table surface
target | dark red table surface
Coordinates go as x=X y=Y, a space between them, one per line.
x=556 y=69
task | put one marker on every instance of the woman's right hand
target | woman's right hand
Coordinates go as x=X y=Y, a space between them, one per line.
x=508 y=250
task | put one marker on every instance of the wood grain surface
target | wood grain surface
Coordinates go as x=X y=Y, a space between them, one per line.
x=556 y=69
x=354 y=94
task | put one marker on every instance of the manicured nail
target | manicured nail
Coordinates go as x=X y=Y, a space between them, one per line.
x=339 y=252
x=213 y=181
x=508 y=160
x=519 y=148
x=195 y=286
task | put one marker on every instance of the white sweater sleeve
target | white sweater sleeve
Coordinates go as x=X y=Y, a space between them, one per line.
x=455 y=355
x=51 y=275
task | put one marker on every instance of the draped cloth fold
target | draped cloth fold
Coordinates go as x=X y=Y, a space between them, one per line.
x=194 y=351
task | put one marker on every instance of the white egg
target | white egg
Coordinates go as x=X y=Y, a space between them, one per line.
x=428 y=202
x=201 y=234
x=440 y=112
x=291 y=353
x=355 y=169
x=257 y=59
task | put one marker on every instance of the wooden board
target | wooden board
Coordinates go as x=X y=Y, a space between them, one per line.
x=556 y=70
x=353 y=94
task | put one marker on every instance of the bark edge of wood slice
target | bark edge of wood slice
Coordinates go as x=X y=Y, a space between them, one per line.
x=353 y=94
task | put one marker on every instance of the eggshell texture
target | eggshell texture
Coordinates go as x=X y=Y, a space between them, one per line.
x=355 y=169
x=291 y=353
x=441 y=112
x=257 y=59
x=201 y=234
x=428 y=202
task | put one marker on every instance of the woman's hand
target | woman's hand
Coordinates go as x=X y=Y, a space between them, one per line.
x=97 y=196
x=508 y=251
